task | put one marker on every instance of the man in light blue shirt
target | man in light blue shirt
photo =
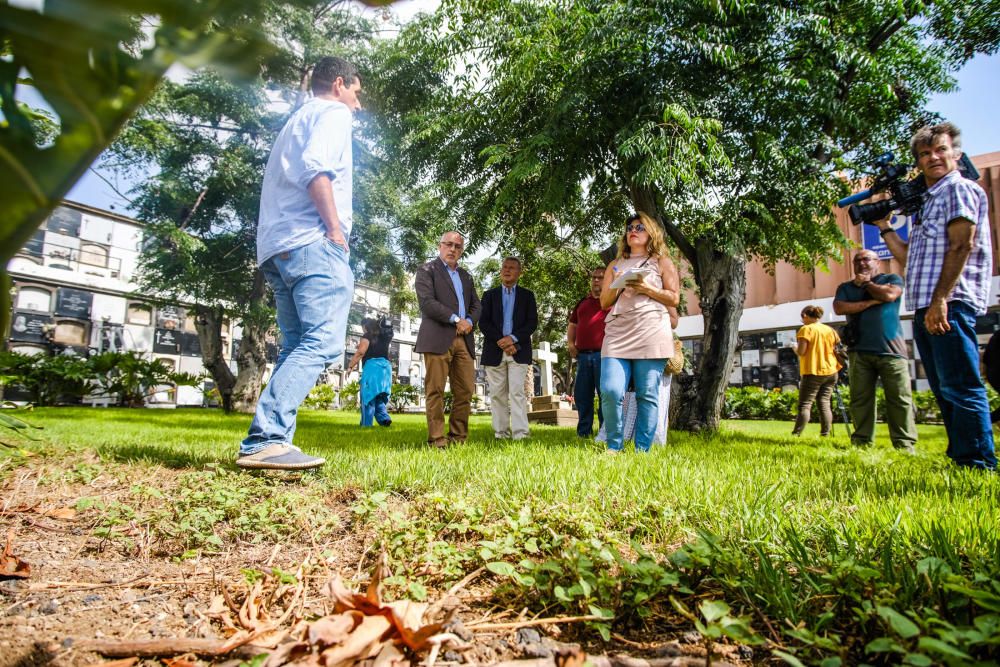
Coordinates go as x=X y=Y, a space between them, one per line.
x=449 y=309
x=305 y=221
x=510 y=317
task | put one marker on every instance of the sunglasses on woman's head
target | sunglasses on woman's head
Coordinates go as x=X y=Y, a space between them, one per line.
x=637 y=227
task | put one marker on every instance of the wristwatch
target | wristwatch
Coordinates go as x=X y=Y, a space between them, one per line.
x=883 y=232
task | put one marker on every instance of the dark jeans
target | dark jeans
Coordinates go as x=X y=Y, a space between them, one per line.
x=588 y=383
x=817 y=388
x=952 y=364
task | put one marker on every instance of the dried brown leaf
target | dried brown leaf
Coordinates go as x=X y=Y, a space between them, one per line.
x=331 y=630
x=287 y=653
x=12 y=567
x=375 y=585
x=365 y=641
x=180 y=661
x=390 y=656
x=409 y=614
x=67 y=513
x=218 y=605
x=253 y=613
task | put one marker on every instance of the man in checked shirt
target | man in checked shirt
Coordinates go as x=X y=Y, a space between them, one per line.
x=948 y=268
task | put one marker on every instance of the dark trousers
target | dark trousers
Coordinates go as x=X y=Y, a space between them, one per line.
x=817 y=388
x=588 y=383
x=952 y=364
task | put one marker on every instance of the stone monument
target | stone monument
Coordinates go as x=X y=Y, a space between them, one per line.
x=548 y=408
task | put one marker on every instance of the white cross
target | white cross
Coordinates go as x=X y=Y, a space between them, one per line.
x=545 y=357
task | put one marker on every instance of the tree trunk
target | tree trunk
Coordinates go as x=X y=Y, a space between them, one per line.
x=209 y=325
x=722 y=285
x=251 y=359
x=239 y=392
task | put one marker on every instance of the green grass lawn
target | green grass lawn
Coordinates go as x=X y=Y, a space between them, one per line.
x=827 y=551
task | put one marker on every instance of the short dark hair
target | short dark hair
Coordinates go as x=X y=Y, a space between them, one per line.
x=814 y=312
x=926 y=135
x=328 y=69
x=511 y=258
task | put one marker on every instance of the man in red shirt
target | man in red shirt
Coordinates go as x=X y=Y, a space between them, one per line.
x=584 y=338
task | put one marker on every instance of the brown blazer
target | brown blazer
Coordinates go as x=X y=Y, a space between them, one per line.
x=438 y=302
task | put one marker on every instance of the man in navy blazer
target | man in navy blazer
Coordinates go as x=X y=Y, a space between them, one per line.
x=449 y=309
x=510 y=316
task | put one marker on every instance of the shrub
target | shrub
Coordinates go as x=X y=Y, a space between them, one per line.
x=61 y=379
x=321 y=397
x=403 y=395
x=350 y=395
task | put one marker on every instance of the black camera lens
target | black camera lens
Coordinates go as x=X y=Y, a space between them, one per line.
x=871 y=212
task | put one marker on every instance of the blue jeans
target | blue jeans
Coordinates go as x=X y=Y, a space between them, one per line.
x=313 y=286
x=645 y=374
x=588 y=382
x=952 y=364
x=376 y=409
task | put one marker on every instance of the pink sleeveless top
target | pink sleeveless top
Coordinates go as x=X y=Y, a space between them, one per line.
x=637 y=327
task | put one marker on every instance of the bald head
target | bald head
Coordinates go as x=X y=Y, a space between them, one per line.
x=867 y=264
x=450 y=248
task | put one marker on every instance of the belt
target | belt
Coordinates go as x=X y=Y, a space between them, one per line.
x=587 y=351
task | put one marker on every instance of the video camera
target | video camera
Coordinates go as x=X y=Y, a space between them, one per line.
x=906 y=196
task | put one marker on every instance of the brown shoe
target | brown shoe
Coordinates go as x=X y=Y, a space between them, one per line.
x=440 y=443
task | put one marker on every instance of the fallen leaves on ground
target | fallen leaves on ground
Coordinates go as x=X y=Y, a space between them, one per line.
x=12 y=567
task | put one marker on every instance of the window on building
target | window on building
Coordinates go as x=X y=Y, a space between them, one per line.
x=93 y=254
x=34 y=298
x=68 y=332
x=139 y=313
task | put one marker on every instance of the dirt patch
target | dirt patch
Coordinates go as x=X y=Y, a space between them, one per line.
x=131 y=580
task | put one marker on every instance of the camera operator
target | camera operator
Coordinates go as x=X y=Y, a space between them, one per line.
x=874 y=339
x=948 y=268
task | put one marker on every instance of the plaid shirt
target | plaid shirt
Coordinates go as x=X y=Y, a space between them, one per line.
x=952 y=197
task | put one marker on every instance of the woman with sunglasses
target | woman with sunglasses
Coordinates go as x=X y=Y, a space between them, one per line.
x=638 y=338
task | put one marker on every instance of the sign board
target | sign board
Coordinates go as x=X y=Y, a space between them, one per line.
x=190 y=345
x=166 y=341
x=871 y=240
x=170 y=317
x=73 y=303
x=35 y=244
x=30 y=327
x=64 y=221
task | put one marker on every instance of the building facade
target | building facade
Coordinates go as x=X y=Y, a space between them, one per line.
x=75 y=293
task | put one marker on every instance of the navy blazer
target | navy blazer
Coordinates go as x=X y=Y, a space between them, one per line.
x=438 y=302
x=491 y=324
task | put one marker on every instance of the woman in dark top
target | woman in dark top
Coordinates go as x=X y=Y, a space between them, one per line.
x=376 y=372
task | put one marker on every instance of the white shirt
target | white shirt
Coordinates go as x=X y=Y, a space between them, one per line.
x=315 y=140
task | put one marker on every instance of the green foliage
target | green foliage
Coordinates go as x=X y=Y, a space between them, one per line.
x=403 y=395
x=60 y=379
x=48 y=380
x=132 y=378
x=350 y=395
x=205 y=511
x=321 y=397
x=757 y=403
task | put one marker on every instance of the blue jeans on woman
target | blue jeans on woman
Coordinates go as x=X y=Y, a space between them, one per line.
x=952 y=364
x=313 y=286
x=376 y=409
x=645 y=375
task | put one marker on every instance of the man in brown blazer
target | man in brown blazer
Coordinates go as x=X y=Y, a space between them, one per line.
x=449 y=310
